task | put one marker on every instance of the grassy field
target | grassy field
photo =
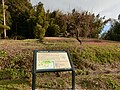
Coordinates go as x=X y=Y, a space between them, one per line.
x=96 y=63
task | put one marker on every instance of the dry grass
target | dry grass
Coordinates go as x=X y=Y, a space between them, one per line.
x=89 y=72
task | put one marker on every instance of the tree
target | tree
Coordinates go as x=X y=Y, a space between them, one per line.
x=114 y=32
x=40 y=10
x=61 y=22
x=53 y=30
x=39 y=32
x=3 y=3
x=75 y=24
x=3 y=26
x=20 y=13
x=41 y=22
x=56 y=24
x=84 y=24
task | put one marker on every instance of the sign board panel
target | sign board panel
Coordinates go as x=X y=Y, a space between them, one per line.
x=52 y=60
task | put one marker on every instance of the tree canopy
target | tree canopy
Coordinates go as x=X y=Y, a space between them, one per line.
x=27 y=21
x=114 y=32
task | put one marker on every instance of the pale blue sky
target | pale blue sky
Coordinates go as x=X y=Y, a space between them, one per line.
x=108 y=8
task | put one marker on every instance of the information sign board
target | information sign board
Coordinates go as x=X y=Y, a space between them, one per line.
x=51 y=61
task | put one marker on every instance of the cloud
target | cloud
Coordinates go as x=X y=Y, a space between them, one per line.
x=108 y=8
x=112 y=11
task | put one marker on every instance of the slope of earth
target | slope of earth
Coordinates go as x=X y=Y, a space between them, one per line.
x=96 y=63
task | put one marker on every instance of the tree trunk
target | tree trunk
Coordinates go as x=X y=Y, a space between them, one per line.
x=77 y=37
x=4 y=18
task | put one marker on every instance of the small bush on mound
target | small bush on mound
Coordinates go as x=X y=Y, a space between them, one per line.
x=15 y=67
x=98 y=82
x=5 y=74
x=2 y=54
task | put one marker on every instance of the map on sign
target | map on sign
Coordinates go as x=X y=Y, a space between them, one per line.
x=52 y=60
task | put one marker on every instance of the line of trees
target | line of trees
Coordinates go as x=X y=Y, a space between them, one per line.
x=26 y=21
x=114 y=32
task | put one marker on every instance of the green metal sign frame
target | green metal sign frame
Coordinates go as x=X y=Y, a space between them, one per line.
x=35 y=70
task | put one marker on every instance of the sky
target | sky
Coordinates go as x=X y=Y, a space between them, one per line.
x=107 y=8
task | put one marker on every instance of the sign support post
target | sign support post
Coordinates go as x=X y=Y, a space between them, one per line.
x=33 y=81
x=73 y=80
x=34 y=71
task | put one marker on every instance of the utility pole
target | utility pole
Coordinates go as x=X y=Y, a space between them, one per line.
x=4 y=18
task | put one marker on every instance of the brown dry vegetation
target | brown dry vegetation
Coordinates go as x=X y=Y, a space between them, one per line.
x=96 y=62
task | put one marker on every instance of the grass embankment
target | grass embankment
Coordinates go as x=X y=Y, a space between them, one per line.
x=96 y=63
